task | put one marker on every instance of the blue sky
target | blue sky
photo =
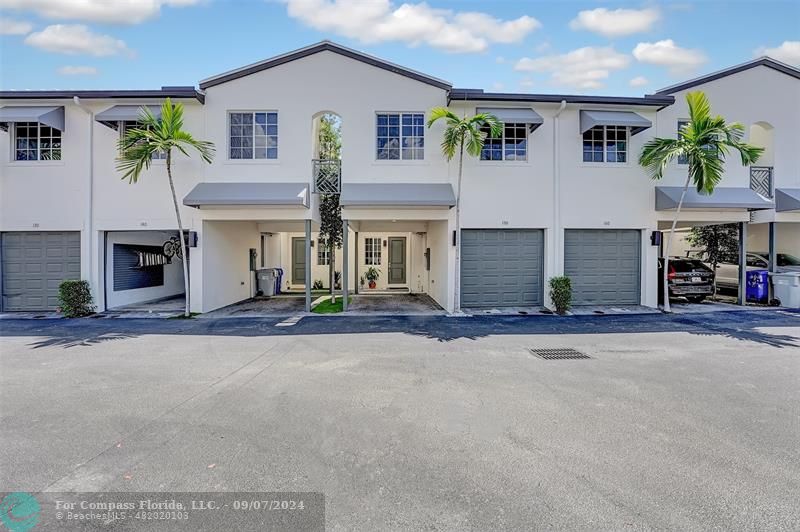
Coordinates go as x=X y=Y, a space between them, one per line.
x=501 y=45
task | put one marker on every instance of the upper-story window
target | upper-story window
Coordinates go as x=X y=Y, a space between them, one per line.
x=127 y=125
x=682 y=159
x=512 y=145
x=36 y=142
x=253 y=135
x=400 y=136
x=605 y=144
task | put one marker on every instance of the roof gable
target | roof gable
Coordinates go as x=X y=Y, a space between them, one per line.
x=324 y=46
x=761 y=61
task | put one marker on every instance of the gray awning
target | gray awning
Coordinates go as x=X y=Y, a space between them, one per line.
x=112 y=116
x=636 y=122
x=397 y=195
x=787 y=199
x=50 y=116
x=248 y=195
x=515 y=115
x=667 y=199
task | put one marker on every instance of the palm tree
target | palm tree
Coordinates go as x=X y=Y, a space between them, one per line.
x=704 y=142
x=460 y=134
x=161 y=136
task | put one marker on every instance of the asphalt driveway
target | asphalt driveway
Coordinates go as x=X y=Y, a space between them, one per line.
x=435 y=423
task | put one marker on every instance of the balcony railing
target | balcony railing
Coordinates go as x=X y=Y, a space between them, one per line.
x=761 y=180
x=327 y=176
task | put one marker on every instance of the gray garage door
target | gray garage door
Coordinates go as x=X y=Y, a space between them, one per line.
x=501 y=267
x=604 y=265
x=34 y=264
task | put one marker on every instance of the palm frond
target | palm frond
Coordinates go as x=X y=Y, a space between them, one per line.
x=657 y=153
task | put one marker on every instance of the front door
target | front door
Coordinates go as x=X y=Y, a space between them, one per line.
x=298 y=261
x=397 y=260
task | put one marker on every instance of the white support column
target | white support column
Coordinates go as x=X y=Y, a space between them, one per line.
x=308 y=266
x=345 y=261
x=742 y=263
x=773 y=259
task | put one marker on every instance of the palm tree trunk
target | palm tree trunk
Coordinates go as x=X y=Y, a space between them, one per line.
x=185 y=259
x=669 y=243
x=456 y=275
x=332 y=271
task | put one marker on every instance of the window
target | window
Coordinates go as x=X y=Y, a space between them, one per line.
x=605 y=144
x=682 y=159
x=253 y=135
x=127 y=125
x=512 y=145
x=372 y=251
x=400 y=136
x=36 y=142
x=323 y=253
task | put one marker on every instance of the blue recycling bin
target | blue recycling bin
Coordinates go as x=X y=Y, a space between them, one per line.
x=278 y=280
x=757 y=286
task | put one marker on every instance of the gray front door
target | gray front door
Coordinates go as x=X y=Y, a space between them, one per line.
x=34 y=264
x=298 y=261
x=604 y=266
x=501 y=267
x=397 y=260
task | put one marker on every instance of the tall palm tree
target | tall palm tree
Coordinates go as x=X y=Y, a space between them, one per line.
x=161 y=136
x=463 y=133
x=704 y=142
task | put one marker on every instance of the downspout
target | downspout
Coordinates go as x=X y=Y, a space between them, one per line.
x=557 y=192
x=89 y=211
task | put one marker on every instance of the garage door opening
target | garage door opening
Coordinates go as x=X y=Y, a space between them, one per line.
x=502 y=268
x=33 y=266
x=604 y=265
x=143 y=271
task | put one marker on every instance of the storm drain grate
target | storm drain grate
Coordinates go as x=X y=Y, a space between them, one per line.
x=566 y=353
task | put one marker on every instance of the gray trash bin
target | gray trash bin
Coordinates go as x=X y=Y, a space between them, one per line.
x=265 y=281
x=786 y=288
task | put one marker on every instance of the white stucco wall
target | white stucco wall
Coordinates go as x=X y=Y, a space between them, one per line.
x=226 y=275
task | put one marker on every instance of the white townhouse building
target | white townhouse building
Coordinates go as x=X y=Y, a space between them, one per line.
x=559 y=193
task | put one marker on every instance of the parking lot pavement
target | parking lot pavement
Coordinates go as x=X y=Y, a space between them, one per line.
x=680 y=422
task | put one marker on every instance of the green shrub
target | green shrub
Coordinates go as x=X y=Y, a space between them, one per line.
x=75 y=299
x=561 y=293
x=317 y=285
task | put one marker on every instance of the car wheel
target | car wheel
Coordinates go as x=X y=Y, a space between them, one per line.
x=695 y=299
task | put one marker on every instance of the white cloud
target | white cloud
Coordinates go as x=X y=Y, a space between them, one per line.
x=584 y=68
x=639 y=81
x=69 y=70
x=9 y=26
x=666 y=53
x=788 y=52
x=498 y=86
x=526 y=83
x=111 y=11
x=380 y=21
x=76 y=39
x=616 y=23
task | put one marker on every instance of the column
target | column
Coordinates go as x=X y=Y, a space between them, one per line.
x=742 y=263
x=345 y=261
x=355 y=266
x=308 y=266
x=773 y=258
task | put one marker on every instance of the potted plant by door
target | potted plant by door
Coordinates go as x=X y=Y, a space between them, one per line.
x=372 y=274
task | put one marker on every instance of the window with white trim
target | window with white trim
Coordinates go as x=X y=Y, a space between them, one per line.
x=605 y=144
x=127 y=125
x=511 y=145
x=682 y=159
x=372 y=251
x=253 y=135
x=400 y=136
x=36 y=142
x=323 y=253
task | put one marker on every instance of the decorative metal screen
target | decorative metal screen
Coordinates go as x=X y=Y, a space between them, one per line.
x=761 y=180
x=327 y=176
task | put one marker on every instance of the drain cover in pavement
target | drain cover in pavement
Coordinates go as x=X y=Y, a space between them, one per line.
x=566 y=353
